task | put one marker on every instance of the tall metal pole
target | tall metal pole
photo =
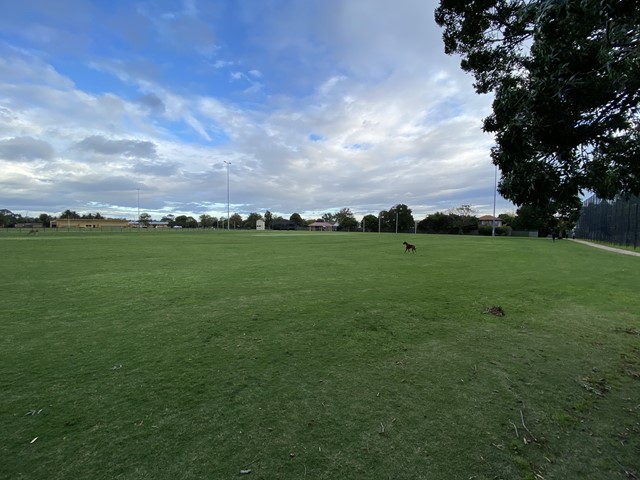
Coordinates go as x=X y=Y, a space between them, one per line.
x=138 y=209
x=228 y=204
x=635 y=235
x=495 y=191
x=396 y=222
x=379 y=220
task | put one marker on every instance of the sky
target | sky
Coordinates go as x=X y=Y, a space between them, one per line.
x=290 y=106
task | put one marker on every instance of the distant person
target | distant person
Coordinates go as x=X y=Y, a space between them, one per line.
x=553 y=236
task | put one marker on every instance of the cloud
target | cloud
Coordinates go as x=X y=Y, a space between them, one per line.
x=181 y=30
x=317 y=105
x=18 y=67
x=25 y=149
x=124 y=148
x=152 y=102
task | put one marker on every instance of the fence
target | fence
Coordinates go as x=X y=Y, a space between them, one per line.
x=613 y=221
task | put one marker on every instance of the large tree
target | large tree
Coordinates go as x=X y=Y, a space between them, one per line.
x=185 y=221
x=463 y=218
x=346 y=219
x=438 y=222
x=329 y=217
x=371 y=223
x=145 y=218
x=8 y=218
x=206 y=221
x=251 y=220
x=297 y=219
x=45 y=219
x=400 y=213
x=171 y=219
x=69 y=214
x=236 y=220
x=566 y=79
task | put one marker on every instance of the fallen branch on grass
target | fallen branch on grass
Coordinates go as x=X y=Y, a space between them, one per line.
x=523 y=424
x=516 y=429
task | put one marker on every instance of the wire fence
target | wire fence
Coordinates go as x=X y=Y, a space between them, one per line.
x=612 y=221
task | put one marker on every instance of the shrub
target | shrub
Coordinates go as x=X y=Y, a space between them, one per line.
x=500 y=231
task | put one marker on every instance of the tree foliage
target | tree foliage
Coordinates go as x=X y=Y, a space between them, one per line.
x=438 y=222
x=145 y=218
x=268 y=218
x=328 y=217
x=170 y=219
x=297 y=219
x=69 y=214
x=206 y=221
x=370 y=223
x=236 y=220
x=460 y=220
x=346 y=219
x=251 y=220
x=463 y=218
x=8 y=218
x=400 y=213
x=185 y=221
x=566 y=79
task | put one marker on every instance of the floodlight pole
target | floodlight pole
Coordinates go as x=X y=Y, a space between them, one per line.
x=138 y=209
x=495 y=190
x=396 y=222
x=379 y=220
x=228 y=204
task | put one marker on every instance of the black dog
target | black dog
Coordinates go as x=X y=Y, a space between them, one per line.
x=409 y=248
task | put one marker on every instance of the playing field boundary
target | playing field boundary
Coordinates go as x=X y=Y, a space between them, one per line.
x=609 y=249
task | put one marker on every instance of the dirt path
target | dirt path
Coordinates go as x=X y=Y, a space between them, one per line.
x=611 y=249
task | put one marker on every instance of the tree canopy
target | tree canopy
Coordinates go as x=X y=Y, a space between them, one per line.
x=566 y=80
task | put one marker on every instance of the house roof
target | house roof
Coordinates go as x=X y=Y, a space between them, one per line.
x=488 y=217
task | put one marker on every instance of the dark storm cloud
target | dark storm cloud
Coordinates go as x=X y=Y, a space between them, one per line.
x=25 y=148
x=125 y=148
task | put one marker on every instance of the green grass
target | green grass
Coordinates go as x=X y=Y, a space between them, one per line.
x=193 y=355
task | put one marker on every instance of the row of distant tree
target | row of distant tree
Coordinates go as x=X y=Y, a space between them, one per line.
x=460 y=220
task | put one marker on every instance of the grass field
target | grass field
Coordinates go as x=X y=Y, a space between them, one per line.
x=198 y=355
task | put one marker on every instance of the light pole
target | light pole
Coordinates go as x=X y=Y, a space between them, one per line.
x=228 y=204
x=138 y=209
x=495 y=190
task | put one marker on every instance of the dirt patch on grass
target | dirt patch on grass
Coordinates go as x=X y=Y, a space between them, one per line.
x=496 y=310
x=597 y=386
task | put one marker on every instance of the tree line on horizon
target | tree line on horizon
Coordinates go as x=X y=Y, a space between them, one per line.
x=399 y=218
